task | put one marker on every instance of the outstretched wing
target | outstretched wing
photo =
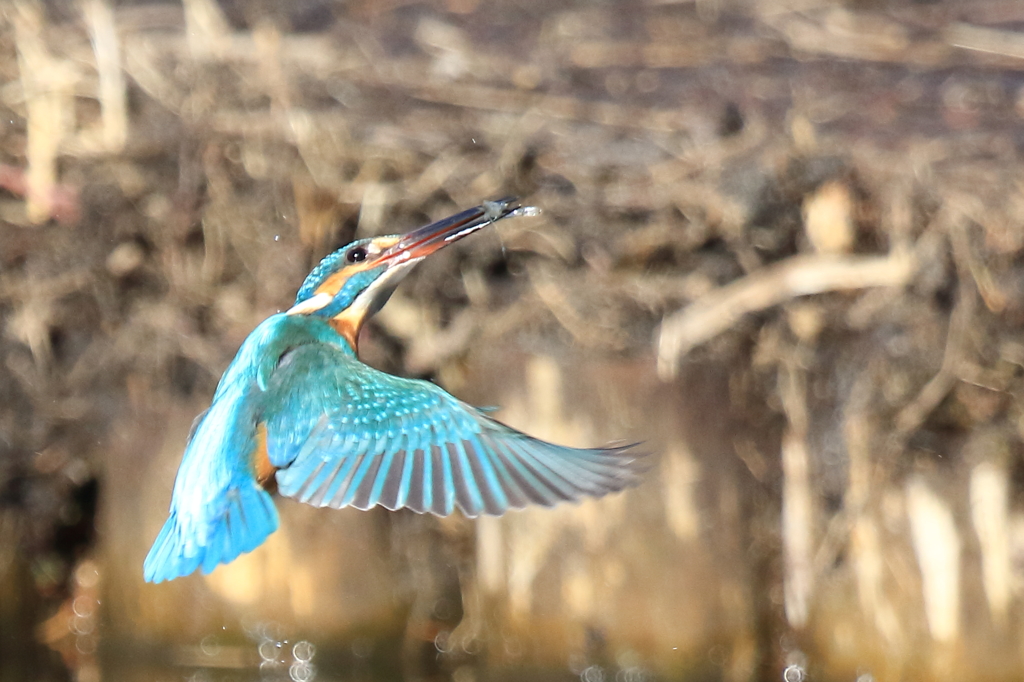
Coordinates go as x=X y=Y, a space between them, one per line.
x=344 y=434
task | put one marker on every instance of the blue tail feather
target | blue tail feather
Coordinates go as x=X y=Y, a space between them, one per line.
x=250 y=516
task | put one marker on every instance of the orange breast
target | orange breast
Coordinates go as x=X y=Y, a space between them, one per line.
x=261 y=460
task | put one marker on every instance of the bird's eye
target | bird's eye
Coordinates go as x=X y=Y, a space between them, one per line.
x=356 y=255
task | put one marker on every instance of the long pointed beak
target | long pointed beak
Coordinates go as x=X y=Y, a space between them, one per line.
x=411 y=248
x=425 y=240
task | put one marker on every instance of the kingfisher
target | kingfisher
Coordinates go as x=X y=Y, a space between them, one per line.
x=297 y=411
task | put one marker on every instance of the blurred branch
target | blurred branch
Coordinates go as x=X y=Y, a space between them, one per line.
x=983 y=39
x=583 y=330
x=775 y=284
x=914 y=414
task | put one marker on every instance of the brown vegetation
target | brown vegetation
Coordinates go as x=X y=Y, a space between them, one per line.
x=781 y=241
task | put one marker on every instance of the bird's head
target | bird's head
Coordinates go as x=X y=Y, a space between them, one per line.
x=354 y=282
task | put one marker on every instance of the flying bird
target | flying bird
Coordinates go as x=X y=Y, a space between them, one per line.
x=297 y=410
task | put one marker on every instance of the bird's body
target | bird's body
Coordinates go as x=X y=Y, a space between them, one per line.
x=297 y=408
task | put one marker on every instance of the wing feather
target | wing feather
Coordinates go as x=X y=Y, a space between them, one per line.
x=391 y=482
x=535 y=489
x=514 y=495
x=343 y=434
x=467 y=491
x=493 y=497
x=444 y=487
x=417 y=495
x=562 y=469
x=338 y=489
x=362 y=486
x=317 y=470
x=383 y=471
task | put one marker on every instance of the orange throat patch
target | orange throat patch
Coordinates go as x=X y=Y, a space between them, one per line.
x=348 y=323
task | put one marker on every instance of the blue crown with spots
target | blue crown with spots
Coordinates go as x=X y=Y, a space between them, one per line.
x=330 y=264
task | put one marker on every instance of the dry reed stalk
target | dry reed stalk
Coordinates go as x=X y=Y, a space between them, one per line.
x=867 y=549
x=990 y=514
x=937 y=546
x=48 y=86
x=797 y=497
x=207 y=30
x=113 y=95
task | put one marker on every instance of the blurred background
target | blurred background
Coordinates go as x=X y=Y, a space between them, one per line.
x=781 y=244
